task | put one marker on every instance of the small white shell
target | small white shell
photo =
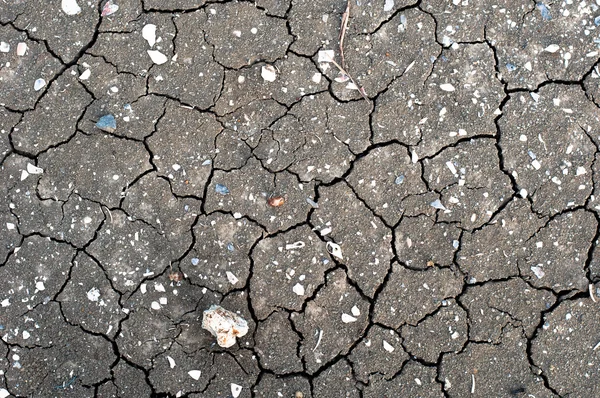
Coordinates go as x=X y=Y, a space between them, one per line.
x=326 y=56
x=31 y=169
x=21 y=49
x=335 y=250
x=149 y=33
x=85 y=75
x=195 y=374
x=231 y=278
x=268 y=73
x=171 y=362
x=235 y=390
x=70 y=7
x=387 y=346
x=552 y=48
x=224 y=325
x=447 y=87
x=348 y=318
x=157 y=57
x=298 y=289
x=39 y=84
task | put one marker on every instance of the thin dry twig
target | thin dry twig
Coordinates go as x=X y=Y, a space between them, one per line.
x=343 y=71
x=343 y=32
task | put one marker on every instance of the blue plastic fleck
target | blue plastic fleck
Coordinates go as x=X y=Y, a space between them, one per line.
x=510 y=67
x=544 y=11
x=127 y=107
x=1 y=327
x=531 y=154
x=597 y=21
x=107 y=123
x=195 y=261
x=222 y=189
x=399 y=180
x=230 y=247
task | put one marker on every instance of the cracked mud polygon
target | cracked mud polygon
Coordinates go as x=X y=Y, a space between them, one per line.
x=454 y=162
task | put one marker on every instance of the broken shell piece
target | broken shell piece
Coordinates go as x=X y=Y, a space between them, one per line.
x=39 y=84
x=231 y=278
x=224 y=325
x=195 y=374
x=70 y=7
x=236 y=390
x=107 y=123
x=268 y=73
x=387 y=346
x=4 y=47
x=149 y=34
x=298 y=289
x=538 y=272
x=326 y=56
x=342 y=78
x=21 y=49
x=348 y=318
x=335 y=250
x=552 y=48
x=31 y=169
x=388 y=5
x=85 y=75
x=276 y=201
x=447 y=87
x=351 y=86
x=171 y=362
x=109 y=8
x=295 y=245
x=157 y=57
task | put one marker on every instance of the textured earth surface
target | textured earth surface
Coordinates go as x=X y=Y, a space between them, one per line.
x=455 y=163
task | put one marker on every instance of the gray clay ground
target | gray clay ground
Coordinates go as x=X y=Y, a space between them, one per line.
x=463 y=193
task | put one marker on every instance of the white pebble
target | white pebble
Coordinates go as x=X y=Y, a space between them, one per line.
x=21 y=49
x=387 y=346
x=39 y=84
x=552 y=48
x=298 y=289
x=268 y=73
x=447 y=87
x=194 y=374
x=157 y=57
x=149 y=33
x=70 y=7
x=4 y=47
x=348 y=318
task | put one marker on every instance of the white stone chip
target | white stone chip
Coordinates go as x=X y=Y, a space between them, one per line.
x=4 y=47
x=268 y=73
x=355 y=311
x=93 y=294
x=40 y=286
x=231 y=278
x=39 y=84
x=149 y=34
x=4 y=393
x=236 y=390
x=298 y=289
x=389 y=4
x=70 y=7
x=224 y=325
x=171 y=362
x=31 y=169
x=21 y=49
x=552 y=48
x=157 y=57
x=155 y=306
x=387 y=346
x=348 y=318
x=447 y=87
x=85 y=75
x=326 y=56
x=26 y=335
x=195 y=374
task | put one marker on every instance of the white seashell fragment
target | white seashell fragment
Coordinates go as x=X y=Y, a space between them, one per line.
x=355 y=311
x=224 y=325
x=24 y=175
x=298 y=289
x=387 y=346
x=351 y=86
x=326 y=56
x=39 y=84
x=171 y=362
x=31 y=169
x=21 y=49
x=389 y=4
x=231 y=278
x=348 y=318
x=552 y=48
x=447 y=87
x=538 y=272
x=70 y=7
x=85 y=75
x=335 y=250
x=26 y=335
x=4 y=393
x=155 y=306
x=235 y=390
x=195 y=374
x=268 y=73
x=149 y=34
x=317 y=78
x=157 y=57
x=4 y=47
x=40 y=286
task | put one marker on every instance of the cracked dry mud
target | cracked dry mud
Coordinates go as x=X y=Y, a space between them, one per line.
x=463 y=195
